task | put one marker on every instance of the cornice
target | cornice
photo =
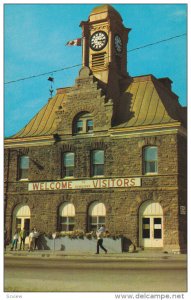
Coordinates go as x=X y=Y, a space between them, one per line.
x=152 y=129
x=29 y=141
x=131 y=132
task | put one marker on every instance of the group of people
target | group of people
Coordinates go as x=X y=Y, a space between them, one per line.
x=34 y=238
x=21 y=236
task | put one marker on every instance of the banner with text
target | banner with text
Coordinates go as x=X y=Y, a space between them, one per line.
x=85 y=184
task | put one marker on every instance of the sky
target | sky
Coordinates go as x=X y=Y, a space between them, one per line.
x=34 y=43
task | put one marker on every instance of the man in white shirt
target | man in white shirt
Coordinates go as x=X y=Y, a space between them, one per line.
x=99 y=234
x=36 y=236
x=31 y=240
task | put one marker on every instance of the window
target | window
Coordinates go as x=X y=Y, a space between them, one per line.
x=97 y=162
x=157 y=228
x=97 y=214
x=68 y=164
x=83 y=124
x=146 y=228
x=150 y=156
x=66 y=217
x=79 y=126
x=23 y=167
x=89 y=125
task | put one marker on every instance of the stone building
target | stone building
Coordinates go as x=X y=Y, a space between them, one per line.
x=109 y=150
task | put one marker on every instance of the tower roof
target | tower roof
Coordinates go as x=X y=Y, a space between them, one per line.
x=106 y=10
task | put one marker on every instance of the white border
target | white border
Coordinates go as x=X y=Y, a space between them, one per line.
x=80 y=296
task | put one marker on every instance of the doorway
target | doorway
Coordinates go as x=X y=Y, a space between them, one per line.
x=21 y=219
x=151 y=225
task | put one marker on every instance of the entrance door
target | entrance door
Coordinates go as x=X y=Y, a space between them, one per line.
x=23 y=222
x=21 y=219
x=151 y=225
x=27 y=225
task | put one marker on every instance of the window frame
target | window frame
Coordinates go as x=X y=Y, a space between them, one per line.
x=96 y=224
x=77 y=126
x=84 y=118
x=20 y=170
x=93 y=165
x=68 y=218
x=146 y=161
x=88 y=126
x=69 y=226
x=67 y=168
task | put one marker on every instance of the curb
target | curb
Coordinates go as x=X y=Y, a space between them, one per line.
x=89 y=256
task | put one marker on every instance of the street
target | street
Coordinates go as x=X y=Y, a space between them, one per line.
x=93 y=274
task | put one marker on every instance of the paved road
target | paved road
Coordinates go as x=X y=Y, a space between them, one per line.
x=93 y=275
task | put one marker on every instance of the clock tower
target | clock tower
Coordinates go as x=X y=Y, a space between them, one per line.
x=105 y=46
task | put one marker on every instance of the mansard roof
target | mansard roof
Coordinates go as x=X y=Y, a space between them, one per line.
x=44 y=122
x=146 y=101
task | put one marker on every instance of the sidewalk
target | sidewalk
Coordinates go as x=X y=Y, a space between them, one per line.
x=139 y=255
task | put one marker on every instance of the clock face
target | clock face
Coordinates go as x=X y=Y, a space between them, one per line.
x=98 y=40
x=118 y=43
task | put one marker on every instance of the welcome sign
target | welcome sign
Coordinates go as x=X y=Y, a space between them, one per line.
x=85 y=184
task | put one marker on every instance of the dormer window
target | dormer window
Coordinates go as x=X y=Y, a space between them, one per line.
x=89 y=125
x=79 y=126
x=83 y=123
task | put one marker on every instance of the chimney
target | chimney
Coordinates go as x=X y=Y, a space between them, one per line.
x=166 y=82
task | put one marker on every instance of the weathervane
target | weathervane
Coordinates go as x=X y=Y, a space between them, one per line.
x=51 y=79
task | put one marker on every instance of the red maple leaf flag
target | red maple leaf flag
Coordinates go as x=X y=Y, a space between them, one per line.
x=76 y=42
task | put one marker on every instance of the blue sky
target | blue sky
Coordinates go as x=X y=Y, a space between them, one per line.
x=34 y=42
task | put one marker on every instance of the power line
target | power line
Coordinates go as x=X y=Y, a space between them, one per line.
x=70 y=67
x=158 y=42
x=42 y=74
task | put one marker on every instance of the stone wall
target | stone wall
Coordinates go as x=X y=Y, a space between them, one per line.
x=123 y=158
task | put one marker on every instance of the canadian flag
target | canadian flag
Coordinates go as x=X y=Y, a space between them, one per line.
x=76 y=42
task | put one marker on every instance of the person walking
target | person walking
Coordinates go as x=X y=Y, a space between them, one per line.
x=100 y=233
x=22 y=235
x=15 y=240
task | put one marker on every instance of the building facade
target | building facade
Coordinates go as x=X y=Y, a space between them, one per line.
x=109 y=150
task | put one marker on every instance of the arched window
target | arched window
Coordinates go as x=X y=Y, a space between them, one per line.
x=66 y=217
x=150 y=160
x=83 y=123
x=23 y=167
x=96 y=215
